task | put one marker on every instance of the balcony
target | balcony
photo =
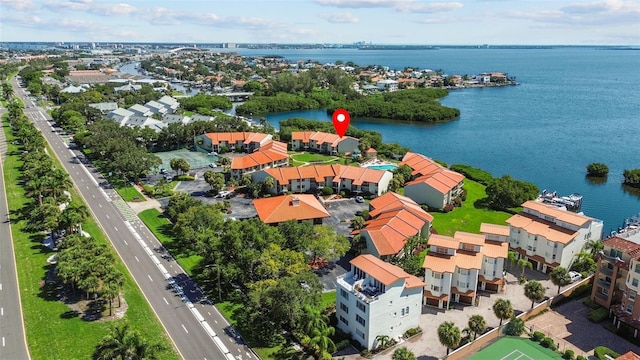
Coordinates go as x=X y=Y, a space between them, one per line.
x=357 y=287
x=602 y=296
x=605 y=284
x=606 y=270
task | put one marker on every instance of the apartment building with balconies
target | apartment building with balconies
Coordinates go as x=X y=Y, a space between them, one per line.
x=548 y=236
x=377 y=298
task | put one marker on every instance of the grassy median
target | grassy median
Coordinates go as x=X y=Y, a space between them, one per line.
x=53 y=332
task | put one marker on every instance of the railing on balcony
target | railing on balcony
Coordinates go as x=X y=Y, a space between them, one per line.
x=602 y=296
x=604 y=284
x=606 y=270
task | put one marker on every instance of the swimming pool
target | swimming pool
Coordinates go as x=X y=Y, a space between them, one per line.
x=389 y=167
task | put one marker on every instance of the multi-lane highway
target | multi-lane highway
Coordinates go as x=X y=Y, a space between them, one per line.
x=13 y=344
x=194 y=325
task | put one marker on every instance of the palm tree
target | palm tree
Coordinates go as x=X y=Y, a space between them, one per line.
x=449 y=335
x=321 y=342
x=382 y=340
x=594 y=245
x=560 y=277
x=477 y=325
x=125 y=344
x=524 y=263
x=314 y=320
x=503 y=309
x=403 y=354
x=534 y=291
x=72 y=216
x=35 y=188
x=511 y=256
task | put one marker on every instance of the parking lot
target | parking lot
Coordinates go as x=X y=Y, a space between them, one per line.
x=342 y=211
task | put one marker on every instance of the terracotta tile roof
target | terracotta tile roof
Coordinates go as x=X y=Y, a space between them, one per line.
x=357 y=175
x=630 y=355
x=623 y=245
x=371 y=151
x=439 y=263
x=267 y=154
x=385 y=272
x=278 y=209
x=429 y=294
x=495 y=249
x=501 y=230
x=234 y=137
x=390 y=230
x=469 y=238
x=537 y=226
x=562 y=215
x=431 y=173
x=318 y=137
x=443 y=241
x=392 y=201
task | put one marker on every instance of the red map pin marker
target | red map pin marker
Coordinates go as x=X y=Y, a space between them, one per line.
x=341 y=120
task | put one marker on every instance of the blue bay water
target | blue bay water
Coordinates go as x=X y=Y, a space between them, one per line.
x=572 y=107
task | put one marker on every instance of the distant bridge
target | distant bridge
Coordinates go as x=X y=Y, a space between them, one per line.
x=185 y=48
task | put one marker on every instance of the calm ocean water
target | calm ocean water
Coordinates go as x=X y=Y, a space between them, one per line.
x=572 y=107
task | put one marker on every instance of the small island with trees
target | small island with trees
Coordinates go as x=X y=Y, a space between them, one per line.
x=597 y=170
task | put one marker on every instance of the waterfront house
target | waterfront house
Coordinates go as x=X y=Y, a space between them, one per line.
x=455 y=267
x=393 y=219
x=315 y=177
x=433 y=184
x=232 y=141
x=323 y=142
x=548 y=236
x=301 y=207
x=270 y=155
x=377 y=298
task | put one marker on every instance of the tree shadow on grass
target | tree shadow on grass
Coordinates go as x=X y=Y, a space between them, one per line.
x=482 y=203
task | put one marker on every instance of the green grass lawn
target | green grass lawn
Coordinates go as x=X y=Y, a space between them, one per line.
x=160 y=227
x=469 y=216
x=328 y=299
x=129 y=193
x=51 y=332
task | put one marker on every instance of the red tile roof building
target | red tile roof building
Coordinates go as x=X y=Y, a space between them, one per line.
x=270 y=155
x=456 y=266
x=394 y=218
x=549 y=237
x=277 y=209
x=377 y=298
x=339 y=177
x=433 y=184
x=323 y=142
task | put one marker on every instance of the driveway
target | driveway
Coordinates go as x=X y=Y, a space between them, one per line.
x=342 y=211
x=567 y=324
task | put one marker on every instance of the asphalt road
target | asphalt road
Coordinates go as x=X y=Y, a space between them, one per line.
x=13 y=342
x=195 y=326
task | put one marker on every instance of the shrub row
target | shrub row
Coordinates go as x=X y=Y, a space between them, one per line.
x=598 y=315
x=475 y=174
x=601 y=351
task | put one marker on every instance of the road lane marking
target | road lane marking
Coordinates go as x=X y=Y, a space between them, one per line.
x=115 y=228
x=107 y=216
x=94 y=196
x=125 y=242
x=185 y=329
x=0 y=286
x=1 y=311
x=165 y=300
x=3 y=341
x=149 y=276
x=100 y=205
x=138 y=260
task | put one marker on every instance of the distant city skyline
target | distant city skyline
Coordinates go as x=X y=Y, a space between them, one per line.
x=463 y=22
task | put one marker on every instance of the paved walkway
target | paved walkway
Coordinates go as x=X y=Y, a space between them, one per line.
x=568 y=325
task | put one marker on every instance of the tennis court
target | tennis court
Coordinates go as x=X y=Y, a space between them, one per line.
x=197 y=160
x=515 y=348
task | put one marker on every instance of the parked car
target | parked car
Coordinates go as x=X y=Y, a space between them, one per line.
x=359 y=199
x=575 y=276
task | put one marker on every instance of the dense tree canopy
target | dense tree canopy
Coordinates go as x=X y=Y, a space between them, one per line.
x=506 y=192
x=632 y=177
x=597 y=170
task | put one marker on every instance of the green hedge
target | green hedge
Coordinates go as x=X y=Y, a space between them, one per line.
x=601 y=351
x=598 y=315
x=475 y=174
x=537 y=336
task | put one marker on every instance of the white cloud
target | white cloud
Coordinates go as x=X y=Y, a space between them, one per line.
x=356 y=4
x=608 y=12
x=340 y=18
x=17 y=4
x=430 y=8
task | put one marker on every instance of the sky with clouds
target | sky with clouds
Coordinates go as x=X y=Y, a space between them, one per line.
x=580 y=22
